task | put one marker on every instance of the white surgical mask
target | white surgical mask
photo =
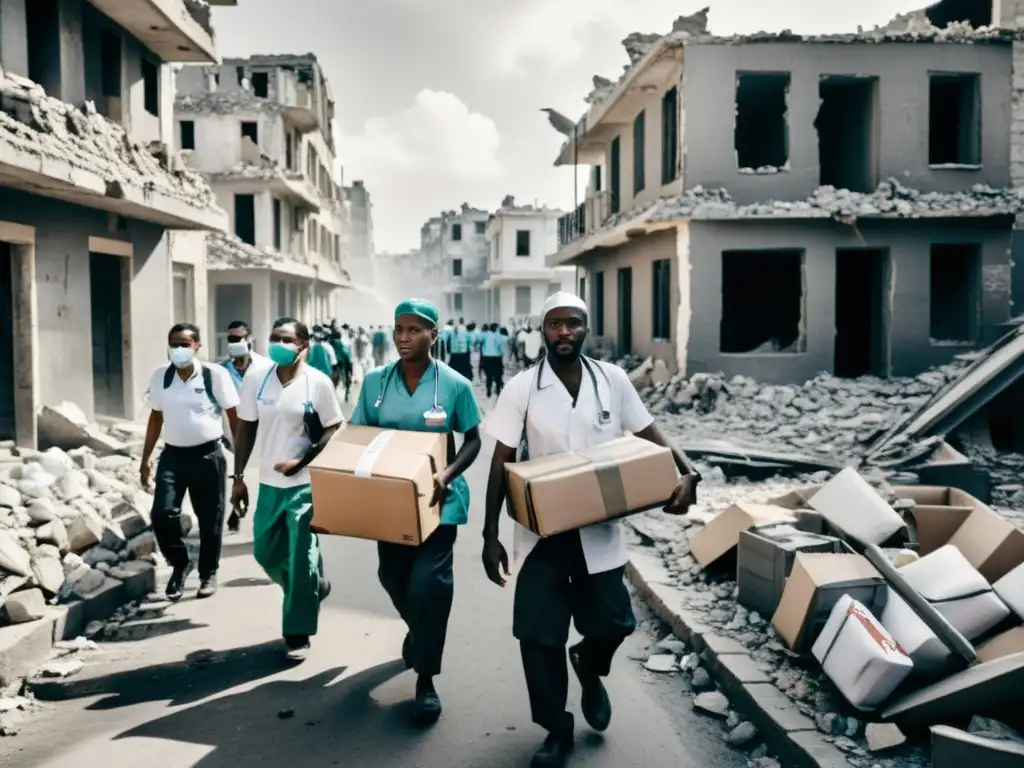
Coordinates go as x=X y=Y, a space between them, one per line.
x=238 y=348
x=181 y=357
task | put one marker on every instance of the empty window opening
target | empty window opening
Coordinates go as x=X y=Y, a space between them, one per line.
x=277 y=224
x=583 y=288
x=457 y=302
x=456 y=232
x=762 y=132
x=110 y=64
x=151 y=86
x=1004 y=419
x=599 y=303
x=481 y=227
x=188 y=134
x=955 y=293
x=862 y=313
x=456 y=267
x=522 y=298
x=522 y=242
x=661 y=293
x=977 y=13
x=846 y=131
x=42 y=31
x=639 y=153
x=762 y=301
x=954 y=119
x=669 y=136
x=615 y=174
x=261 y=84
x=245 y=218
x=252 y=130
x=240 y=74
x=595 y=178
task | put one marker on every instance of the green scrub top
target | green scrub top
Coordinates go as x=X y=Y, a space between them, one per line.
x=460 y=341
x=404 y=411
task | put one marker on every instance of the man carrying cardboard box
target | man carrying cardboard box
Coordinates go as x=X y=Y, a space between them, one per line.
x=297 y=409
x=420 y=394
x=565 y=403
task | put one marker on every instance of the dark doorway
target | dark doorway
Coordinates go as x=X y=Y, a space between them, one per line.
x=762 y=302
x=625 y=310
x=245 y=218
x=8 y=410
x=846 y=132
x=862 y=312
x=615 y=173
x=106 y=285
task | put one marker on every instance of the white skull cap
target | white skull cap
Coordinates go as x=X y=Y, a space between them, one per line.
x=563 y=300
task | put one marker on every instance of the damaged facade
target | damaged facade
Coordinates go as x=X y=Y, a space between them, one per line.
x=260 y=130
x=95 y=204
x=455 y=254
x=518 y=281
x=744 y=213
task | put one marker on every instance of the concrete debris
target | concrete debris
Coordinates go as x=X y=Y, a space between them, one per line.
x=712 y=703
x=224 y=251
x=742 y=735
x=883 y=736
x=662 y=662
x=33 y=122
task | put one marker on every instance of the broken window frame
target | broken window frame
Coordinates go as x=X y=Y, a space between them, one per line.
x=973 y=308
x=757 y=125
x=975 y=118
x=246 y=130
x=661 y=299
x=799 y=345
x=264 y=77
x=640 y=152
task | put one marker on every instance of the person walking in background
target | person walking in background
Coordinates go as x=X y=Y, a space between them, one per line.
x=492 y=358
x=298 y=411
x=321 y=355
x=533 y=344
x=444 y=340
x=186 y=398
x=475 y=338
x=521 y=346
x=241 y=357
x=458 y=358
x=380 y=346
x=342 y=343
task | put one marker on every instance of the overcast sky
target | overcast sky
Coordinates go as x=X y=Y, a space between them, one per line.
x=438 y=102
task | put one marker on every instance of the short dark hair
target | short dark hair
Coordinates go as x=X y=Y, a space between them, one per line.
x=301 y=330
x=236 y=324
x=188 y=328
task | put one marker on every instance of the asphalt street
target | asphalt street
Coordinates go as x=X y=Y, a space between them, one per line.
x=204 y=683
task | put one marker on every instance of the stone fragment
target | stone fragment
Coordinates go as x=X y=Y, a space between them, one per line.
x=883 y=736
x=61 y=668
x=663 y=662
x=48 y=572
x=13 y=558
x=24 y=606
x=85 y=531
x=53 y=533
x=713 y=703
x=741 y=735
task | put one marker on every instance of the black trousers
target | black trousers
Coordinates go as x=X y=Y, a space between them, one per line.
x=493 y=368
x=202 y=471
x=552 y=589
x=460 y=362
x=421 y=584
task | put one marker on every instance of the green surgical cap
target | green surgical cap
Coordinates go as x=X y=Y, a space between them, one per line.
x=420 y=308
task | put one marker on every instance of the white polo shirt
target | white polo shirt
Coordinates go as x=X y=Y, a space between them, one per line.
x=280 y=410
x=555 y=426
x=190 y=418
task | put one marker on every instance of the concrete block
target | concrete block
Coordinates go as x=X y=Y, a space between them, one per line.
x=102 y=603
x=69 y=620
x=140 y=584
x=774 y=709
x=740 y=669
x=721 y=644
x=810 y=749
x=649 y=566
x=23 y=647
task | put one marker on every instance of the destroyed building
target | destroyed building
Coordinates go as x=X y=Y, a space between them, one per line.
x=260 y=131
x=96 y=207
x=454 y=257
x=518 y=280
x=776 y=205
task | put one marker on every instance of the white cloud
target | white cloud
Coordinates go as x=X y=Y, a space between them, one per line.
x=429 y=157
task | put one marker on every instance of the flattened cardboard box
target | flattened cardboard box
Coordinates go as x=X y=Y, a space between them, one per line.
x=376 y=484
x=567 y=491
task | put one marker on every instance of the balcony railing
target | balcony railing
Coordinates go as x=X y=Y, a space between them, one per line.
x=590 y=215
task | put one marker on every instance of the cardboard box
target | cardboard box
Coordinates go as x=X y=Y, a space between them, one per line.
x=938 y=513
x=371 y=483
x=990 y=542
x=722 y=533
x=1004 y=644
x=946 y=580
x=815 y=585
x=567 y=491
x=765 y=559
x=850 y=504
x=931 y=656
x=860 y=656
x=1010 y=589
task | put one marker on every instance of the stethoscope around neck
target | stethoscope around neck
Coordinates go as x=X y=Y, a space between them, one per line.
x=604 y=416
x=435 y=416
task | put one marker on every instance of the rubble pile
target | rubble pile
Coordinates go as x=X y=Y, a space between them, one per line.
x=68 y=522
x=46 y=127
x=825 y=416
x=224 y=251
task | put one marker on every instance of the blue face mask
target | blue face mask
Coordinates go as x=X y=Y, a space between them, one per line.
x=181 y=357
x=282 y=354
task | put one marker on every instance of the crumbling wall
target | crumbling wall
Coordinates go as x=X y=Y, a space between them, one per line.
x=902 y=72
x=908 y=244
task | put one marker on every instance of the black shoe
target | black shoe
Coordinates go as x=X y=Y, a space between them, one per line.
x=554 y=751
x=325 y=589
x=207 y=586
x=298 y=647
x=234 y=523
x=407 y=650
x=176 y=584
x=428 y=703
x=596 y=706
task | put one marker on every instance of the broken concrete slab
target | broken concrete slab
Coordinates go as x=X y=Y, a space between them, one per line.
x=66 y=427
x=23 y=647
x=953 y=748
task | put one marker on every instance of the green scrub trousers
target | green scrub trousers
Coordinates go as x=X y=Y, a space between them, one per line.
x=289 y=552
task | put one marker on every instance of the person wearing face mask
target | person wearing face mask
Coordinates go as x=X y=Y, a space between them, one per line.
x=187 y=398
x=241 y=355
x=296 y=410
x=567 y=402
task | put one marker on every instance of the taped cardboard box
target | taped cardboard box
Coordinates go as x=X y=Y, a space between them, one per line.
x=721 y=535
x=860 y=656
x=567 y=491
x=816 y=583
x=376 y=484
x=765 y=559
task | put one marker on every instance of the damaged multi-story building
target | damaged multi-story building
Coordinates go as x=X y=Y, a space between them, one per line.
x=776 y=205
x=260 y=130
x=518 y=280
x=97 y=213
x=454 y=252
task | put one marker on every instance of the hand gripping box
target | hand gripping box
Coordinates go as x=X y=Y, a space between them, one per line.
x=567 y=491
x=371 y=483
